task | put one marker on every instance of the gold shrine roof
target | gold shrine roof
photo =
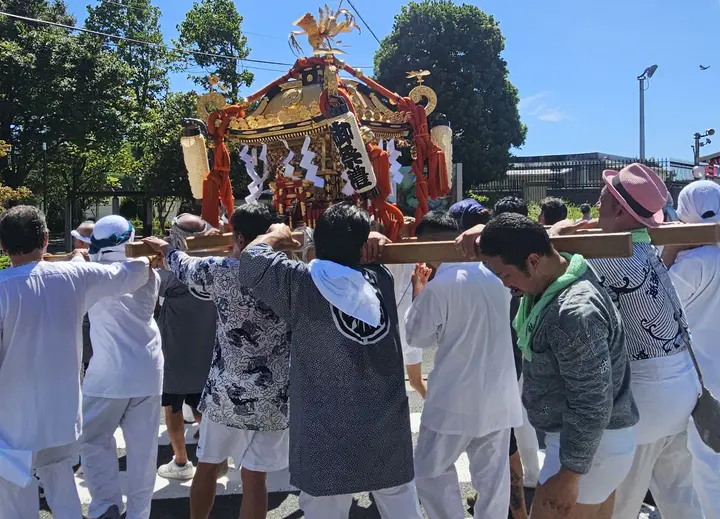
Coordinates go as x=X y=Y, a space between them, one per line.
x=291 y=110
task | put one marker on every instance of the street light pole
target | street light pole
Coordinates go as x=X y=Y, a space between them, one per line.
x=641 y=80
x=647 y=74
x=44 y=178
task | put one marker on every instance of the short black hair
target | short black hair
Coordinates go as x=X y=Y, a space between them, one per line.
x=510 y=204
x=340 y=234
x=22 y=230
x=437 y=221
x=585 y=209
x=473 y=218
x=252 y=220
x=514 y=237
x=553 y=210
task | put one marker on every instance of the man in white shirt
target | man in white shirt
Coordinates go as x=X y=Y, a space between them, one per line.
x=412 y=357
x=473 y=399
x=122 y=385
x=42 y=305
x=695 y=272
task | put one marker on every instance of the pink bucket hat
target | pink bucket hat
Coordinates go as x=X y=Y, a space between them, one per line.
x=640 y=191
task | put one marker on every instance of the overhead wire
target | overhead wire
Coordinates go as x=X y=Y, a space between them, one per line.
x=140 y=42
x=363 y=20
x=127 y=6
x=152 y=44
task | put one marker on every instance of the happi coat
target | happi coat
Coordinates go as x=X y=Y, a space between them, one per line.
x=349 y=419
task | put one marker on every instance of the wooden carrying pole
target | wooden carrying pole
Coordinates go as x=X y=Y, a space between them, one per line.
x=591 y=243
x=678 y=234
x=617 y=245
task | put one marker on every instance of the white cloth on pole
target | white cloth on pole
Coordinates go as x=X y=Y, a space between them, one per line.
x=612 y=461
x=54 y=467
x=474 y=355
x=393 y=503
x=665 y=467
x=437 y=479
x=40 y=364
x=139 y=420
x=261 y=451
x=127 y=357
x=403 y=298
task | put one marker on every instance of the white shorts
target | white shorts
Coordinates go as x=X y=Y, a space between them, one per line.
x=612 y=462
x=260 y=451
x=411 y=355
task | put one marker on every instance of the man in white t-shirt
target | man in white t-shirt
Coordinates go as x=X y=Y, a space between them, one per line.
x=695 y=272
x=403 y=297
x=42 y=305
x=122 y=385
x=473 y=399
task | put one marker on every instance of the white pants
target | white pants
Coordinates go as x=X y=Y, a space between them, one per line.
x=393 y=503
x=437 y=478
x=665 y=467
x=706 y=473
x=528 y=447
x=54 y=467
x=665 y=391
x=139 y=419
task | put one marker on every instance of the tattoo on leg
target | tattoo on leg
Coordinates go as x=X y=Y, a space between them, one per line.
x=517 y=493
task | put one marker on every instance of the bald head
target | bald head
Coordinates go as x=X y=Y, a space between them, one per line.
x=191 y=223
x=85 y=230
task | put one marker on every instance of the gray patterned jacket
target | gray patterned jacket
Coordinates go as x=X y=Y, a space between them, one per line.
x=247 y=386
x=578 y=383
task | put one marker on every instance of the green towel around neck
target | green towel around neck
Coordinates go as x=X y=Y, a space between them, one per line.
x=640 y=236
x=528 y=314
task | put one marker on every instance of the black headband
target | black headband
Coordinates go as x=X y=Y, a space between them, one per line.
x=629 y=200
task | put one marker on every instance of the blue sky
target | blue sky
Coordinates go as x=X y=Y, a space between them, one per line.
x=575 y=64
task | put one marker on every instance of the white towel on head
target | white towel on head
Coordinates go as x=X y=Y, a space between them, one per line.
x=347 y=290
x=110 y=234
x=699 y=202
x=79 y=236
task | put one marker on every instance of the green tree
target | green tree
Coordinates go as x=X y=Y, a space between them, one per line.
x=214 y=27
x=148 y=65
x=461 y=46
x=165 y=174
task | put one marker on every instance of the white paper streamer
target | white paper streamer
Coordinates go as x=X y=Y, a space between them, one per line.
x=255 y=187
x=347 y=189
x=395 y=166
x=306 y=162
x=288 y=169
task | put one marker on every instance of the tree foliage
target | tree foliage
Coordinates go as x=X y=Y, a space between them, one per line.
x=84 y=113
x=214 y=27
x=148 y=65
x=461 y=46
x=56 y=88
